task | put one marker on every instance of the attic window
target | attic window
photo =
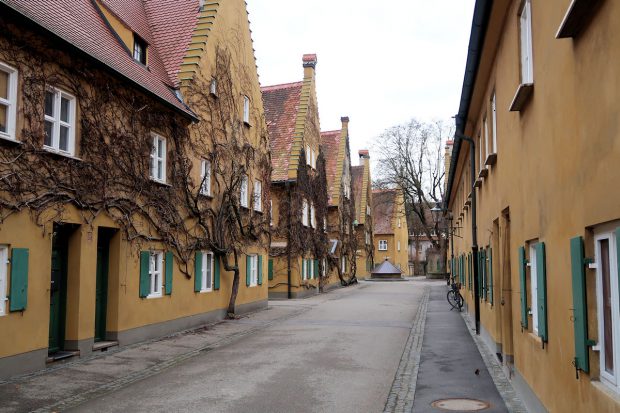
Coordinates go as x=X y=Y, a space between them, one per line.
x=139 y=49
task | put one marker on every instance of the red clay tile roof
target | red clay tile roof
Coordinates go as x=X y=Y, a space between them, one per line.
x=281 y=104
x=80 y=23
x=357 y=181
x=330 y=146
x=383 y=203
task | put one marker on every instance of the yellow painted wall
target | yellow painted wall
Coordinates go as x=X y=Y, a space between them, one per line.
x=556 y=166
x=399 y=258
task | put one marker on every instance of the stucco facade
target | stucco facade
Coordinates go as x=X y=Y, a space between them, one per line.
x=390 y=232
x=545 y=126
x=362 y=193
x=77 y=276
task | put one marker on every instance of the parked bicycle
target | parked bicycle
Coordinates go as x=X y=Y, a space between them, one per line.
x=455 y=298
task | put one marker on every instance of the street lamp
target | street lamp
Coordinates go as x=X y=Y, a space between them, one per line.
x=436 y=211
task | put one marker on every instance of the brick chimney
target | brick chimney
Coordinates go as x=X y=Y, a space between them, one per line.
x=364 y=156
x=309 y=63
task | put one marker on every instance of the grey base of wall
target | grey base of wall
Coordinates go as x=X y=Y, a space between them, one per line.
x=309 y=292
x=85 y=347
x=22 y=363
x=36 y=360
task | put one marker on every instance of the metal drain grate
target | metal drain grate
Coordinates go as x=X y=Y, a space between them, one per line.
x=460 y=405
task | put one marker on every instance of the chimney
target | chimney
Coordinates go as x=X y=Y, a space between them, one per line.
x=447 y=162
x=364 y=157
x=309 y=62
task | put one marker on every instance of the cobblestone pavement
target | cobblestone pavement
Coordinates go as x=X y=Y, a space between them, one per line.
x=336 y=352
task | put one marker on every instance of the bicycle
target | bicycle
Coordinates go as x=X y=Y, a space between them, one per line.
x=454 y=296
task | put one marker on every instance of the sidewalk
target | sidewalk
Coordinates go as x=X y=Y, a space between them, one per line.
x=63 y=386
x=451 y=366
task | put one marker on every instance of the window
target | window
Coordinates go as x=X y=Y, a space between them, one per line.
x=494 y=120
x=271 y=212
x=343 y=263
x=399 y=222
x=367 y=238
x=325 y=224
x=207 y=272
x=156 y=264
x=383 y=245
x=139 y=49
x=158 y=159
x=243 y=195
x=253 y=259
x=481 y=160
x=8 y=101
x=246 y=110
x=304 y=211
x=205 y=178
x=533 y=288
x=324 y=268
x=4 y=260
x=525 y=28
x=398 y=246
x=213 y=87
x=258 y=196
x=608 y=310
x=312 y=216
x=485 y=126
x=59 y=121
x=367 y=209
x=308 y=156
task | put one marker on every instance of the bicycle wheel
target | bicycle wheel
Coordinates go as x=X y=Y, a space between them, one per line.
x=453 y=300
x=460 y=300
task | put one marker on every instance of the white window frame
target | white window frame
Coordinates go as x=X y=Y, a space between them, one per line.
x=343 y=264
x=312 y=216
x=494 y=120
x=324 y=269
x=308 y=156
x=207 y=286
x=611 y=380
x=246 y=109
x=367 y=237
x=485 y=126
x=398 y=222
x=481 y=160
x=258 y=196
x=533 y=287
x=4 y=273
x=383 y=245
x=54 y=119
x=398 y=245
x=156 y=274
x=205 y=177
x=271 y=212
x=243 y=192
x=253 y=270
x=213 y=87
x=157 y=157
x=325 y=224
x=304 y=212
x=10 y=102
x=525 y=36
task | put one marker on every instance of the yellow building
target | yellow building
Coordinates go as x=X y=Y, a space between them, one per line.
x=390 y=228
x=361 y=186
x=298 y=187
x=341 y=268
x=112 y=222
x=539 y=264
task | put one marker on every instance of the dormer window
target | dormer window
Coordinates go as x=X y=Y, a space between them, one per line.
x=139 y=49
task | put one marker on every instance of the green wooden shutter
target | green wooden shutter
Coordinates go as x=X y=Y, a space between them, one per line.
x=485 y=281
x=169 y=270
x=541 y=293
x=248 y=270
x=316 y=268
x=216 y=271
x=270 y=269
x=618 y=253
x=580 y=315
x=145 y=282
x=522 y=265
x=491 y=275
x=198 y=272
x=260 y=270
x=18 y=295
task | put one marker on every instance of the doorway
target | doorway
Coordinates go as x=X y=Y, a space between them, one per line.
x=104 y=235
x=58 y=286
x=506 y=290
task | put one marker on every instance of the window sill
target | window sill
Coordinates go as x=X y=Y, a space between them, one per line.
x=260 y=211
x=478 y=183
x=522 y=96
x=607 y=390
x=484 y=172
x=577 y=17
x=205 y=291
x=153 y=296
x=491 y=159
x=8 y=138
x=163 y=183
x=60 y=153
x=535 y=337
x=247 y=124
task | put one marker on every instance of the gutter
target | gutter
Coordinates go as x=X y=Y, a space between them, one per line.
x=480 y=23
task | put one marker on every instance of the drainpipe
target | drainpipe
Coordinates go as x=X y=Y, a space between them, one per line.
x=288 y=243
x=474 y=227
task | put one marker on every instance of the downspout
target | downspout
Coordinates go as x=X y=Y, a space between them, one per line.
x=288 y=242
x=474 y=227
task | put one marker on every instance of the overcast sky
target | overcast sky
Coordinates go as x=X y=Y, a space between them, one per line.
x=380 y=63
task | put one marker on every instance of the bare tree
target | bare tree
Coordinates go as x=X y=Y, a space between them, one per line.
x=410 y=157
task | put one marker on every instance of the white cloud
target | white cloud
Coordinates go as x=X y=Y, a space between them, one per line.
x=380 y=63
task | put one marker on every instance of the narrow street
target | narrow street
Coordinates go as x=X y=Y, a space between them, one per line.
x=358 y=349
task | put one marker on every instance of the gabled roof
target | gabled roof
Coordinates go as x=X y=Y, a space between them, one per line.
x=383 y=207
x=281 y=103
x=357 y=188
x=83 y=25
x=330 y=146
